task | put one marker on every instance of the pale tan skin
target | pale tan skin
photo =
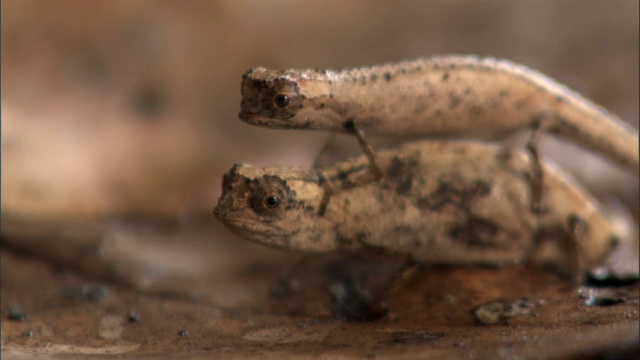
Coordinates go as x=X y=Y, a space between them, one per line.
x=434 y=96
x=439 y=202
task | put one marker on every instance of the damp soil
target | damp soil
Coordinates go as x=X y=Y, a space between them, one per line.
x=336 y=306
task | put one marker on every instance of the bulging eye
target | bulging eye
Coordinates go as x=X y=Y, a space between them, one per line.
x=267 y=197
x=272 y=201
x=281 y=100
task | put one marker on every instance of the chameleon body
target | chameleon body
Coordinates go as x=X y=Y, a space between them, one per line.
x=449 y=202
x=434 y=96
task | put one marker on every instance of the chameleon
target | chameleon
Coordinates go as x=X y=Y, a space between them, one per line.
x=439 y=202
x=443 y=95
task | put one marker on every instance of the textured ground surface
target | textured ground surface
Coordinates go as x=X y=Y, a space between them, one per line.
x=433 y=314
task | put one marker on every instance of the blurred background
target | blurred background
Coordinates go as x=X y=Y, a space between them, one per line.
x=120 y=117
x=120 y=108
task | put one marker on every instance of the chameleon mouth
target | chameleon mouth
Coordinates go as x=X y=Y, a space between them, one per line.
x=252 y=119
x=251 y=229
x=267 y=121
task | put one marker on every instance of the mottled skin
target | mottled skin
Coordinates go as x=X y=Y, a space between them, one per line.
x=435 y=96
x=439 y=202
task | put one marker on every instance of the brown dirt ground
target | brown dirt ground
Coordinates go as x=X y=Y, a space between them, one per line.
x=430 y=316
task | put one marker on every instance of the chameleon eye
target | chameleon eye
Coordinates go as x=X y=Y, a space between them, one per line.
x=281 y=100
x=272 y=201
x=267 y=197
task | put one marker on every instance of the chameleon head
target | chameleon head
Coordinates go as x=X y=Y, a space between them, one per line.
x=263 y=208
x=285 y=98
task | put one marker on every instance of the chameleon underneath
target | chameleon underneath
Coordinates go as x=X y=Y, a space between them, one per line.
x=449 y=202
x=433 y=96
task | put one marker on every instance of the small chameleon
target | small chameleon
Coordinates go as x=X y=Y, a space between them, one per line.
x=433 y=96
x=448 y=202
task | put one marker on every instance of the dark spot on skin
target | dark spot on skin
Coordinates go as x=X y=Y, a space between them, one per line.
x=343 y=242
x=403 y=229
x=504 y=155
x=150 y=102
x=468 y=91
x=373 y=77
x=559 y=98
x=444 y=195
x=504 y=93
x=569 y=125
x=438 y=113
x=445 y=76
x=454 y=100
x=400 y=172
x=475 y=110
x=475 y=232
x=458 y=195
x=387 y=76
x=480 y=188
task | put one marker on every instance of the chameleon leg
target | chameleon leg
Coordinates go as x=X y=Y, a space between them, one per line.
x=409 y=268
x=567 y=239
x=537 y=179
x=577 y=227
x=287 y=284
x=373 y=174
x=328 y=190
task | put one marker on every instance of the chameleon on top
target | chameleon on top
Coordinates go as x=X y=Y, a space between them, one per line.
x=433 y=96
